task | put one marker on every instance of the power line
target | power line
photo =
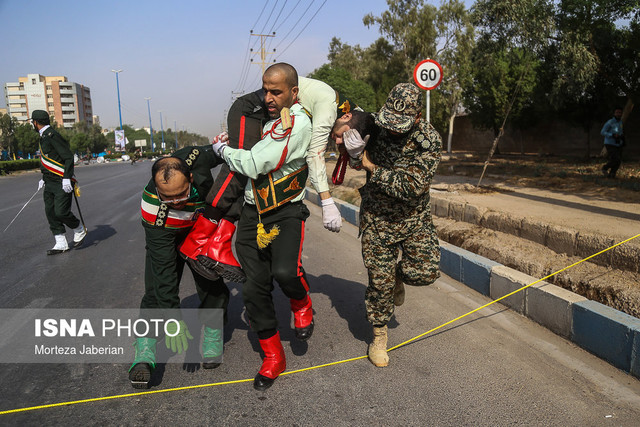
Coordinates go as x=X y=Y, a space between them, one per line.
x=246 y=73
x=269 y=17
x=246 y=66
x=303 y=28
x=244 y=63
x=294 y=25
x=274 y=24
x=260 y=14
x=287 y=17
x=256 y=81
x=277 y=17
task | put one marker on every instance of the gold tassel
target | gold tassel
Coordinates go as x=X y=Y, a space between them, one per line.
x=264 y=238
x=76 y=190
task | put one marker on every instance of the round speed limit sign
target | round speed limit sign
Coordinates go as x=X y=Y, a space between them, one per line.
x=428 y=74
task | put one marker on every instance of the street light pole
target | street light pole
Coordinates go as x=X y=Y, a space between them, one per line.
x=162 y=129
x=175 y=129
x=153 y=149
x=118 y=89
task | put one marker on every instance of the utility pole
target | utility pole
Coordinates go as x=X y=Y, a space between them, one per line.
x=263 y=52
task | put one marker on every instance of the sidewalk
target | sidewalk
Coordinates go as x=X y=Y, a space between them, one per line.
x=586 y=212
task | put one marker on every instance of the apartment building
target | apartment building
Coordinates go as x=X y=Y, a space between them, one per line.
x=66 y=102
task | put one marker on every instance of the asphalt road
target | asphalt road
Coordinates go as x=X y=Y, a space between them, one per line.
x=493 y=367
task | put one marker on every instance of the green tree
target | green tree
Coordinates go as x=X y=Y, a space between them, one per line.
x=347 y=87
x=379 y=66
x=348 y=58
x=628 y=69
x=131 y=134
x=593 y=60
x=410 y=27
x=8 y=126
x=27 y=139
x=410 y=33
x=84 y=138
x=512 y=35
x=457 y=35
x=417 y=31
x=79 y=142
x=502 y=83
x=97 y=140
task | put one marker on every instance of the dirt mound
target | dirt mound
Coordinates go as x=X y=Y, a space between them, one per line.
x=613 y=287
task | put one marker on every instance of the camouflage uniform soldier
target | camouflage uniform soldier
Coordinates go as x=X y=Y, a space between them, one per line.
x=395 y=214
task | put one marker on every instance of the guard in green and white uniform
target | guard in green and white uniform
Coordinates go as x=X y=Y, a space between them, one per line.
x=171 y=202
x=271 y=227
x=56 y=164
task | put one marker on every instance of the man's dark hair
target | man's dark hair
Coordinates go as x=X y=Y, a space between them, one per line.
x=168 y=166
x=618 y=108
x=43 y=122
x=364 y=123
x=290 y=73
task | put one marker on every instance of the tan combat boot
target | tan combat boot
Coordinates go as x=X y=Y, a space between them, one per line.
x=378 y=348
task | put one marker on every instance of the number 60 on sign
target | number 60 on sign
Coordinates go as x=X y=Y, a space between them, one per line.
x=427 y=74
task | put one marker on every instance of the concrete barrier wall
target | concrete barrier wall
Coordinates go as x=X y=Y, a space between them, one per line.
x=608 y=333
x=559 y=239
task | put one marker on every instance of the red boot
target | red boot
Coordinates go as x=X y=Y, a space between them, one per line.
x=197 y=239
x=273 y=364
x=218 y=256
x=302 y=317
x=196 y=243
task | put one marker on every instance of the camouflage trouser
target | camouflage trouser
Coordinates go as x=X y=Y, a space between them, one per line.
x=418 y=265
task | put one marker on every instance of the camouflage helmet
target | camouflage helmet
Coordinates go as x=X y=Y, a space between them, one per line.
x=399 y=112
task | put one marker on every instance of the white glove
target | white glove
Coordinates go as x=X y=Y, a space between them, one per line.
x=40 y=184
x=354 y=143
x=221 y=137
x=66 y=185
x=219 y=143
x=331 y=217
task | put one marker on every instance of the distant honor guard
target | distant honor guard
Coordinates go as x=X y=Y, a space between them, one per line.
x=56 y=164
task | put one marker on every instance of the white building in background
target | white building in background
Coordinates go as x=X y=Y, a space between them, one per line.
x=66 y=102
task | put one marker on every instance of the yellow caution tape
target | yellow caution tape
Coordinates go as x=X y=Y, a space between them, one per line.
x=193 y=387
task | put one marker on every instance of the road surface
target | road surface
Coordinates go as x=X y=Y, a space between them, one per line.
x=493 y=367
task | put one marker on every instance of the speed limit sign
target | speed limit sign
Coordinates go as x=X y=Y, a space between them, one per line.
x=428 y=74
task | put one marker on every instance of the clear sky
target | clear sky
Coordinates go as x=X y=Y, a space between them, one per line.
x=187 y=56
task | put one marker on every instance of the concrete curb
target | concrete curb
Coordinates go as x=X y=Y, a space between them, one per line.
x=607 y=333
x=557 y=238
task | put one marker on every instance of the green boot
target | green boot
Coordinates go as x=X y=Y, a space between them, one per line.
x=144 y=362
x=212 y=347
